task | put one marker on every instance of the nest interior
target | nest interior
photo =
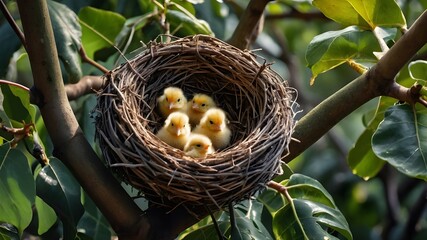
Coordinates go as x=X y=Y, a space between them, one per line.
x=257 y=102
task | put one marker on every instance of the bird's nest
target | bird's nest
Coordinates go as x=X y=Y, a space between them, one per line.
x=257 y=102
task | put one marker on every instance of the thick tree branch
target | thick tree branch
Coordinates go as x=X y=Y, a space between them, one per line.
x=72 y=147
x=86 y=85
x=379 y=80
x=242 y=36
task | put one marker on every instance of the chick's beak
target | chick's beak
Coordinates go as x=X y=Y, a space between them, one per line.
x=195 y=107
x=217 y=127
x=179 y=131
x=171 y=106
x=206 y=147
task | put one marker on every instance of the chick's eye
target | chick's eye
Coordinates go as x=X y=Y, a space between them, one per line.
x=172 y=124
x=198 y=145
x=179 y=99
x=211 y=122
x=203 y=105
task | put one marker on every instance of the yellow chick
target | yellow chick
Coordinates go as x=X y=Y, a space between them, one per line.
x=198 y=146
x=198 y=106
x=176 y=130
x=214 y=125
x=172 y=100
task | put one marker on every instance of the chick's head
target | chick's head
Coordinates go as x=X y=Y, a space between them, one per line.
x=178 y=124
x=199 y=143
x=173 y=98
x=214 y=119
x=202 y=103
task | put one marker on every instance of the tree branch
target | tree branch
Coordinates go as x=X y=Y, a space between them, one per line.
x=242 y=36
x=86 y=85
x=379 y=80
x=73 y=149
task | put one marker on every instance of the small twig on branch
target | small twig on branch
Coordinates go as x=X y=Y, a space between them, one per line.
x=86 y=59
x=86 y=85
x=12 y=23
x=410 y=95
x=18 y=133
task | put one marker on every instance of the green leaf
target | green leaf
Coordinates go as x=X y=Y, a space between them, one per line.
x=46 y=216
x=310 y=212
x=58 y=188
x=303 y=219
x=16 y=104
x=9 y=43
x=418 y=70
x=331 y=49
x=99 y=29
x=363 y=13
x=205 y=230
x=17 y=190
x=361 y=159
x=303 y=187
x=401 y=140
x=248 y=221
x=215 y=13
x=68 y=40
x=272 y=200
x=93 y=223
x=182 y=24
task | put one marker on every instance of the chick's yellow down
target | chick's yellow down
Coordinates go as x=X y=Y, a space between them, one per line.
x=172 y=100
x=214 y=125
x=198 y=146
x=198 y=106
x=176 y=130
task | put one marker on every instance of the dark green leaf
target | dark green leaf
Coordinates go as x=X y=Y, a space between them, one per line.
x=272 y=200
x=309 y=220
x=182 y=24
x=331 y=49
x=365 y=14
x=8 y=234
x=16 y=104
x=303 y=187
x=248 y=221
x=17 y=190
x=215 y=13
x=418 y=70
x=93 y=222
x=68 y=40
x=58 y=188
x=99 y=29
x=401 y=140
x=9 y=43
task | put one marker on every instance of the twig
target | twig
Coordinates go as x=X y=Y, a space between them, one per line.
x=14 y=84
x=12 y=23
x=86 y=59
x=86 y=85
x=380 y=40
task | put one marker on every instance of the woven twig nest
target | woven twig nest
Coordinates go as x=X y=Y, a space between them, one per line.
x=257 y=102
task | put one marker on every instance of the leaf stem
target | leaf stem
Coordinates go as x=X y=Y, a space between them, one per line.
x=86 y=59
x=294 y=210
x=14 y=84
x=383 y=44
x=12 y=23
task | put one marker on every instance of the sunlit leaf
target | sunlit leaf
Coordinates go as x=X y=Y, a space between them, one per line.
x=68 y=40
x=310 y=212
x=418 y=70
x=401 y=140
x=46 y=216
x=16 y=104
x=58 y=188
x=17 y=188
x=182 y=24
x=331 y=49
x=366 y=14
x=99 y=29
x=361 y=157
